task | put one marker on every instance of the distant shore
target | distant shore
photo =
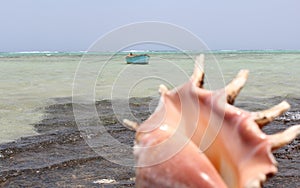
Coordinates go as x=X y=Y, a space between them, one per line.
x=82 y=53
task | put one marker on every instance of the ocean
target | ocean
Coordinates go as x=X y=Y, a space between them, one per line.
x=32 y=81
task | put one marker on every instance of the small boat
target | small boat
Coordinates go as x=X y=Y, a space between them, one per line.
x=137 y=59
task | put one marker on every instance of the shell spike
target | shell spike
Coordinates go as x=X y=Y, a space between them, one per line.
x=266 y=116
x=130 y=124
x=280 y=139
x=162 y=89
x=234 y=87
x=198 y=75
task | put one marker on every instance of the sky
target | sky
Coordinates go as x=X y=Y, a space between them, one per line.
x=74 y=25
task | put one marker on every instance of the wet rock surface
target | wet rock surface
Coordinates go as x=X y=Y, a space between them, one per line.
x=60 y=156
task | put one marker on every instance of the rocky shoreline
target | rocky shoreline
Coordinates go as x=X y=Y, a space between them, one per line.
x=60 y=157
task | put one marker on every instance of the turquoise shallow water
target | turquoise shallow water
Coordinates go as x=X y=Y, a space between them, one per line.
x=31 y=81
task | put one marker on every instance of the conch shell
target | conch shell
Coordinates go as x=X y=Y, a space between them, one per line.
x=197 y=138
